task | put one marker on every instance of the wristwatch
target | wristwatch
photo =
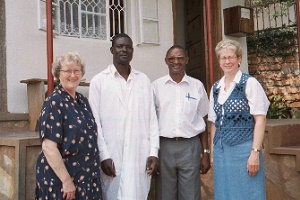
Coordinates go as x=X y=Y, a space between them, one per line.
x=206 y=151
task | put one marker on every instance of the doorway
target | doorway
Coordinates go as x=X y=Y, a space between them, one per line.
x=191 y=33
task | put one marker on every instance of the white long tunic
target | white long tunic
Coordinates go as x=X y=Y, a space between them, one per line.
x=127 y=131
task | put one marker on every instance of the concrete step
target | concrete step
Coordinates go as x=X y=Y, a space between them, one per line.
x=13 y=123
x=289 y=150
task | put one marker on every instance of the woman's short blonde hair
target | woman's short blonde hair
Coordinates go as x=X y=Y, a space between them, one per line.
x=229 y=45
x=68 y=58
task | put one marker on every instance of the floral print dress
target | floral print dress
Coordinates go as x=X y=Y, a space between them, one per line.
x=70 y=123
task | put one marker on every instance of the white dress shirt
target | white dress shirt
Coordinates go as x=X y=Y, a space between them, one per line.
x=180 y=106
x=257 y=99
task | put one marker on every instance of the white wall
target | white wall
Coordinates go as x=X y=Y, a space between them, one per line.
x=241 y=40
x=26 y=50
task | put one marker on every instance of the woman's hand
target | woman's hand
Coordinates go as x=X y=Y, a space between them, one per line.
x=253 y=163
x=55 y=161
x=68 y=190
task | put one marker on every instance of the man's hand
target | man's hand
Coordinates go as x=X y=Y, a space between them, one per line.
x=152 y=164
x=108 y=167
x=205 y=165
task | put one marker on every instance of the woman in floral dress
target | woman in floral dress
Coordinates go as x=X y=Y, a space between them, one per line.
x=68 y=165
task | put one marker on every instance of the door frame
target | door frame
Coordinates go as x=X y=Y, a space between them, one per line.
x=216 y=31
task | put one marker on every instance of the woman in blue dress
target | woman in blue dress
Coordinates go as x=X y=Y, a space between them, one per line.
x=238 y=108
x=68 y=165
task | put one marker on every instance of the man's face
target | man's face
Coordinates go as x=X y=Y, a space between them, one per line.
x=176 y=61
x=122 y=51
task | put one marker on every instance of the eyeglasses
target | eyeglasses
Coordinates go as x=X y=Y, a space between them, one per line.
x=69 y=72
x=229 y=58
x=179 y=59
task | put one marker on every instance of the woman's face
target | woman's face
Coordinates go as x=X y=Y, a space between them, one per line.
x=70 y=76
x=229 y=62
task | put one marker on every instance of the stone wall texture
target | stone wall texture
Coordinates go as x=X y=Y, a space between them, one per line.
x=17 y=166
x=278 y=76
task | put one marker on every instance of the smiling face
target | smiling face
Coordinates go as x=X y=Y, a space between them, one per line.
x=176 y=60
x=69 y=76
x=229 y=61
x=122 y=51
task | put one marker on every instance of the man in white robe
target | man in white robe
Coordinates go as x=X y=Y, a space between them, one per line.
x=122 y=103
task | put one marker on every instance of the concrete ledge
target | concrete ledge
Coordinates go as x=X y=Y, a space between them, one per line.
x=281 y=159
x=36 y=95
x=14 y=116
x=45 y=81
x=13 y=123
x=285 y=138
x=291 y=150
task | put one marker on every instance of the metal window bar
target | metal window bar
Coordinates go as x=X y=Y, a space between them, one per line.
x=93 y=19
x=82 y=18
x=117 y=14
x=88 y=18
x=69 y=20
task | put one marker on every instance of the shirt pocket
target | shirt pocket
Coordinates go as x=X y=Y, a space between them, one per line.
x=190 y=106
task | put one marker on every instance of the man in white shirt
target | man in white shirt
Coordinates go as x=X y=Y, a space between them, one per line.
x=181 y=105
x=121 y=99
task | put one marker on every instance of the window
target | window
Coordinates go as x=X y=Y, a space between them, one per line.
x=99 y=19
x=149 y=22
x=102 y=19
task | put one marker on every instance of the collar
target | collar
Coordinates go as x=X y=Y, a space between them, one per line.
x=113 y=71
x=185 y=78
x=65 y=95
x=236 y=79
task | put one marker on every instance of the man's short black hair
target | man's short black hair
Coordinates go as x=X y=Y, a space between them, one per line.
x=120 y=35
x=176 y=46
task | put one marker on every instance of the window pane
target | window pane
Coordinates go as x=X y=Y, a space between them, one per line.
x=150 y=9
x=150 y=31
x=149 y=18
x=55 y=16
x=93 y=26
x=95 y=6
x=117 y=17
x=69 y=17
x=43 y=17
x=85 y=18
x=93 y=20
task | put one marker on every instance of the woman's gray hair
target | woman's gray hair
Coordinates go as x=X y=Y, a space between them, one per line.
x=229 y=45
x=68 y=58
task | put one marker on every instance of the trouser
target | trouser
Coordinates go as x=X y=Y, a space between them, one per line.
x=179 y=164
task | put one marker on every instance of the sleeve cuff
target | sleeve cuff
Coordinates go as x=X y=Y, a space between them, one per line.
x=104 y=155
x=154 y=152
